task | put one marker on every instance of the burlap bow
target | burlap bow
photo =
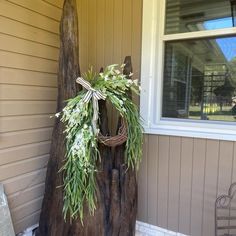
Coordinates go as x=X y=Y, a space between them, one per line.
x=95 y=95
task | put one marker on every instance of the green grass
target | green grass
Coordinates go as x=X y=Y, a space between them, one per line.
x=224 y=115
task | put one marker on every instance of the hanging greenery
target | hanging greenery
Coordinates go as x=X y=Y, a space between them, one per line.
x=81 y=118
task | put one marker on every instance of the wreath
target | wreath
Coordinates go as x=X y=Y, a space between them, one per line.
x=81 y=119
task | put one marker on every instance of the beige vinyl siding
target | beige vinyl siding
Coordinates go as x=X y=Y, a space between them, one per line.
x=179 y=180
x=29 y=47
x=109 y=30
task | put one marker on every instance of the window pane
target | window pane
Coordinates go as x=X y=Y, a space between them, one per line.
x=195 y=15
x=200 y=79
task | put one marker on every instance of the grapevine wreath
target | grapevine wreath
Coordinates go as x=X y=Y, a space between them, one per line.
x=81 y=119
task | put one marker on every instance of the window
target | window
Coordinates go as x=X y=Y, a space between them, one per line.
x=199 y=79
x=189 y=68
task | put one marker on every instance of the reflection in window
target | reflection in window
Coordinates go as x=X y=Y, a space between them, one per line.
x=196 y=15
x=200 y=79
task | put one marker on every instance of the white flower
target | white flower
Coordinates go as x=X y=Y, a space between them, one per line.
x=130 y=81
x=135 y=82
x=77 y=109
x=57 y=114
x=131 y=74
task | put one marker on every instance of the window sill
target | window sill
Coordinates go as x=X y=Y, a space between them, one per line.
x=191 y=129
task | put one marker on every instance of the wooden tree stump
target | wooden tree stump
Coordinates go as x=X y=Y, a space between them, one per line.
x=116 y=206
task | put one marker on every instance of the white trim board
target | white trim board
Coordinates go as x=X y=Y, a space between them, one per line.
x=144 y=229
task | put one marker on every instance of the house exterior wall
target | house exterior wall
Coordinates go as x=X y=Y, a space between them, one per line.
x=179 y=178
x=29 y=45
x=109 y=30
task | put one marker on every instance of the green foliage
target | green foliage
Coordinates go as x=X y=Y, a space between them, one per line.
x=82 y=153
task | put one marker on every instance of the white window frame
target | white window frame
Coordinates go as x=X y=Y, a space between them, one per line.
x=152 y=66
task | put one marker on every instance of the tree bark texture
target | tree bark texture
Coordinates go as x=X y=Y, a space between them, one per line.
x=116 y=207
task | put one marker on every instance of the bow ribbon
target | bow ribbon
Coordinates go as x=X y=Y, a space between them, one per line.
x=95 y=95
